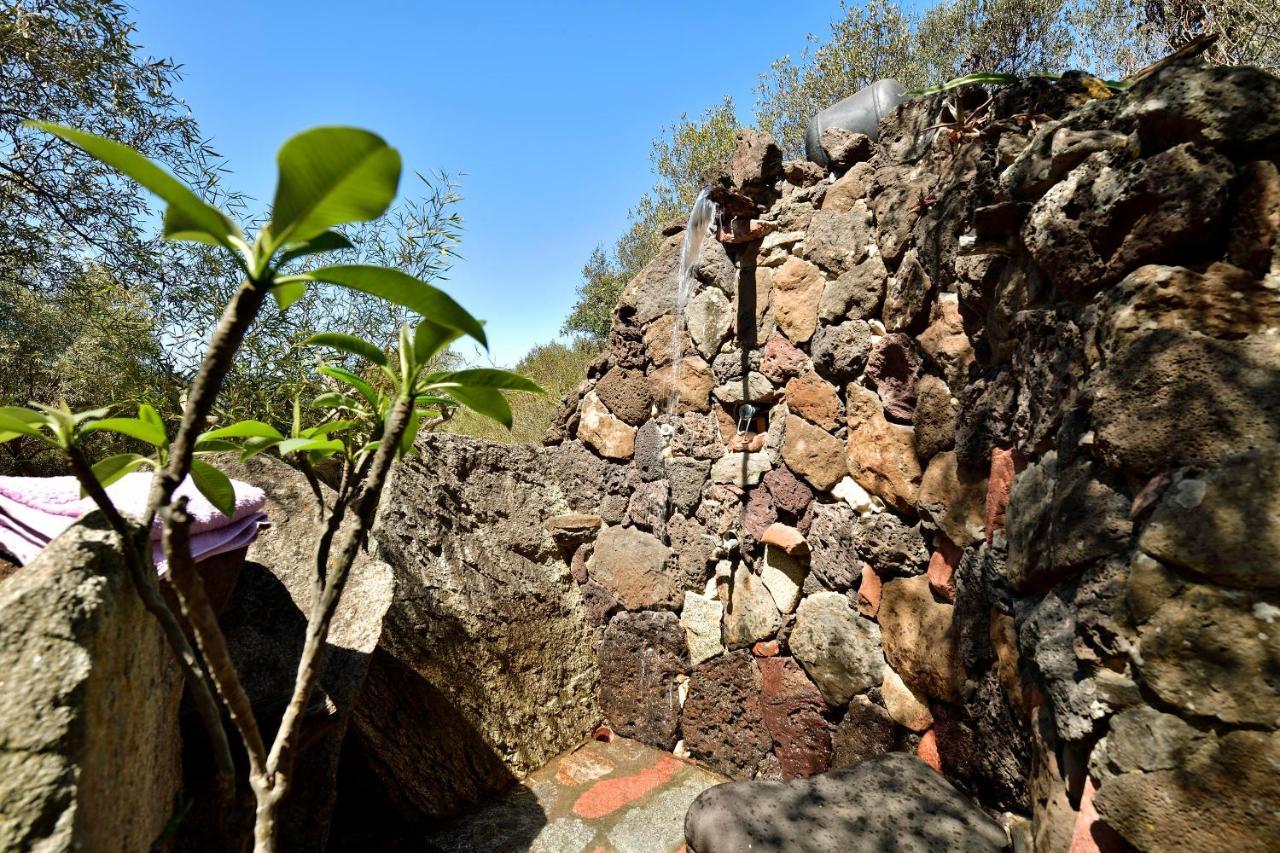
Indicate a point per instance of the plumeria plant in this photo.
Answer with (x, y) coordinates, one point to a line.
(328, 177)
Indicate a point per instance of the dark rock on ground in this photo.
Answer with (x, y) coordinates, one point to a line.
(894, 802)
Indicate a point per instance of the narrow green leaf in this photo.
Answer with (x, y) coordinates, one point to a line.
(300, 445)
(329, 428)
(215, 486)
(254, 446)
(20, 421)
(78, 418)
(132, 427)
(287, 293)
(216, 445)
(349, 343)
(485, 401)
(336, 400)
(113, 468)
(241, 429)
(428, 400)
(429, 339)
(403, 289)
(410, 433)
(344, 375)
(327, 241)
(330, 176)
(149, 414)
(187, 217)
(488, 377)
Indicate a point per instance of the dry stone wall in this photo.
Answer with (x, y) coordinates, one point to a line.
(1008, 495)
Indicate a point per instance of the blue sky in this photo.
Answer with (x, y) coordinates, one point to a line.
(547, 107)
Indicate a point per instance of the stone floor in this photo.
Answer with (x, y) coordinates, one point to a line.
(614, 796)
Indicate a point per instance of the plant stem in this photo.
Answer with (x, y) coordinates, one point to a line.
(189, 588)
(227, 337)
(135, 542)
(280, 761)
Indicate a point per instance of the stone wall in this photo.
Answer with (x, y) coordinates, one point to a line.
(1010, 498)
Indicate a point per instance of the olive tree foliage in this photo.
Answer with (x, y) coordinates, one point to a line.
(683, 157)
(328, 177)
(1109, 38)
(80, 243)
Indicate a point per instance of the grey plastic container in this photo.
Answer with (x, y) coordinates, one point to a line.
(860, 112)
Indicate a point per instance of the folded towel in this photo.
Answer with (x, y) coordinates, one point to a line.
(33, 510)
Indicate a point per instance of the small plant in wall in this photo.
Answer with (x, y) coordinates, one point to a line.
(328, 177)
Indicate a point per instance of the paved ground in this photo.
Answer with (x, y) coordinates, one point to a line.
(618, 796)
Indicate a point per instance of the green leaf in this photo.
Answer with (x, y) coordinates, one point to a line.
(187, 216)
(301, 445)
(11, 428)
(288, 292)
(254, 446)
(485, 401)
(217, 445)
(344, 375)
(410, 432)
(113, 468)
(349, 343)
(149, 414)
(488, 377)
(92, 415)
(241, 429)
(429, 339)
(329, 428)
(428, 400)
(215, 486)
(132, 427)
(327, 241)
(403, 289)
(336, 400)
(330, 176)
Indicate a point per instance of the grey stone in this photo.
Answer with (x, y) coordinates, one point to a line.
(840, 352)
(687, 477)
(648, 452)
(640, 656)
(756, 389)
(839, 649)
(894, 802)
(750, 615)
(89, 747)
(501, 591)
(833, 556)
(934, 418)
(865, 731)
(908, 296)
(890, 545)
(740, 469)
(1223, 523)
(855, 295)
(709, 317)
(838, 241)
(1144, 739)
(632, 565)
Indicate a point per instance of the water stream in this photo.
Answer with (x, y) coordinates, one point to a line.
(701, 217)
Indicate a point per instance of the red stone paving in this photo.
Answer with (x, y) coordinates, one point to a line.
(609, 795)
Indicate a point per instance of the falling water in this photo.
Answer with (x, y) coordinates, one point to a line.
(701, 217)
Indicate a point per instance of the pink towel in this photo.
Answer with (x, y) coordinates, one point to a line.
(33, 510)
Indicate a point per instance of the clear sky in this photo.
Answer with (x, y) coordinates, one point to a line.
(547, 107)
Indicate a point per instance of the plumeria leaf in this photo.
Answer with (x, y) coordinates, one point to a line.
(215, 486)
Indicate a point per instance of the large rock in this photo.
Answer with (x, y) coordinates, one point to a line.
(1060, 519)
(839, 649)
(833, 556)
(934, 419)
(894, 802)
(89, 748)
(604, 432)
(626, 394)
(892, 368)
(700, 617)
(1208, 651)
(1218, 797)
(633, 565)
(882, 456)
(723, 722)
(265, 626)
(709, 318)
(797, 288)
(954, 499)
(793, 712)
(640, 656)
(750, 613)
(919, 639)
(1175, 398)
(652, 292)
(487, 629)
(1188, 185)
(856, 294)
(815, 399)
(1223, 523)
(866, 731)
(891, 546)
(684, 385)
(837, 241)
(1231, 109)
(840, 352)
(813, 453)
